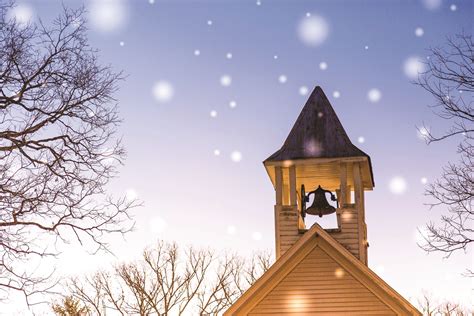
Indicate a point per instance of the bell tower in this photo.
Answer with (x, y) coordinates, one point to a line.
(317, 161)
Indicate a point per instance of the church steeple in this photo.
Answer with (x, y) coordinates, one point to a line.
(318, 153)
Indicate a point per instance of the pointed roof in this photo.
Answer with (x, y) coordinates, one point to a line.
(317, 133)
(317, 239)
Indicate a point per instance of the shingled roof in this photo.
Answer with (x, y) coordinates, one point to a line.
(317, 133)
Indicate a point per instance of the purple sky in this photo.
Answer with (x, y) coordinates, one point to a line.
(213, 89)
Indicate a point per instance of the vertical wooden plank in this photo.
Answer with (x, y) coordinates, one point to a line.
(292, 177)
(349, 193)
(358, 190)
(277, 231)
(359, 201)
(279, 185)
(279, 202)
(343, 184)
(286, 194)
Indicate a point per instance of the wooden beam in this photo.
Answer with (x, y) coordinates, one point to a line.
(279, 185)
(312, 161)
(343, 185)
(292, 181)
(359, 202)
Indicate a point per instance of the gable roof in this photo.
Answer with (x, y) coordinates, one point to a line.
(317, 124)
(318, 237)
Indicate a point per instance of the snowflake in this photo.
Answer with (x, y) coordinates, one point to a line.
(313, 30)
(236, 156)
(303, 90)
(323, 65)
(374, 95)
(432, 4)
(419, 32)
(257, 236)
(282, 79)
(226, 80)
(108, 15)
(231, 230)
(413, 66)
(21, 13)
(398, 185)
(163, 91)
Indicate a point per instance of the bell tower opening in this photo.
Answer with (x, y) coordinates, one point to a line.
(322, 207)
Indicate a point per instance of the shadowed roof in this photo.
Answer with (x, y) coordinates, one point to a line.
(317, 133)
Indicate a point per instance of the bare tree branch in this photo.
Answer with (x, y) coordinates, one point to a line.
(450, 80)
(170, 281)
(58, 146)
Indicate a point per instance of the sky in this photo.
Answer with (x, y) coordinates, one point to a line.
(214, 87)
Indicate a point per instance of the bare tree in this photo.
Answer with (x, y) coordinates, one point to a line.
(58, 146)
(430, 307)
(170, 281)
(70, 306)
(450, 80)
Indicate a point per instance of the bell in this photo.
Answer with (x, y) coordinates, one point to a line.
(320, 205)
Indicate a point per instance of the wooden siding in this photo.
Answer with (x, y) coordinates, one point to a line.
(348, 236)
(318, 285)
(287, 233)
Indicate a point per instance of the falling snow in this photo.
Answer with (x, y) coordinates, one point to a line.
(453, 7)
(257, 236)
(303, 90)
(226, 80)
(361, 140)
(163, 91)
(158, 225)
(374, 95)
(413, 66)
(432, 4)
(323, 65)
(232, 104)
(236, 156)
(213, 113)
(217, 152)
(197, 52)
(231, 230)
(336, 94)
(131, 194)
(282, 78)
(21, 13)
(228, 56)
(313, 30)
(423, 133)
(424, 180)
(108, 15)
(398, 185)
(419, 32)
